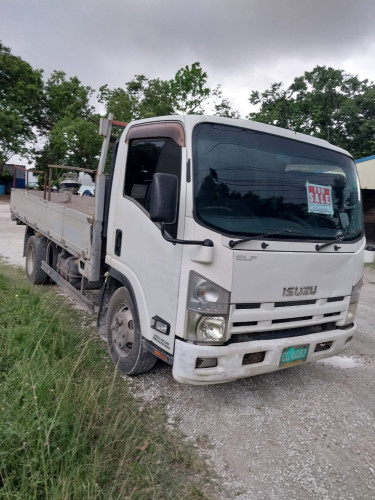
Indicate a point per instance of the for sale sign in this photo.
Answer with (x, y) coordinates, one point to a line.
(319, 199)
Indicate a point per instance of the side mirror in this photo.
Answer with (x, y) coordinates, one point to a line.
(163, 198)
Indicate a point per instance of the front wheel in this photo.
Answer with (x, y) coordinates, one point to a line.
(35, 254)
(124, 336)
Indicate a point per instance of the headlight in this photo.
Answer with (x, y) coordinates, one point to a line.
(207, 310)
(354, 298)
(211, 328)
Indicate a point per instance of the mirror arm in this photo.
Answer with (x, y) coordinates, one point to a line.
(204, 243)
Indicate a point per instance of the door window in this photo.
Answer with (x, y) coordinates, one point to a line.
(146, 157)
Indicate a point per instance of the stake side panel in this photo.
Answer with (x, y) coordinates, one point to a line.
(67, 223)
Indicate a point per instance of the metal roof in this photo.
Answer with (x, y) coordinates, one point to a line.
(367, 158)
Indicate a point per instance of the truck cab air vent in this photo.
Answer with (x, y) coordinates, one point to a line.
(292, 303)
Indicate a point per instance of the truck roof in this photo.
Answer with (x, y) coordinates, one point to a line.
(190, 121)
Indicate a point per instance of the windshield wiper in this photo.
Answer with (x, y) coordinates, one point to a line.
(328, 243)
(331, 242)
(275, 232)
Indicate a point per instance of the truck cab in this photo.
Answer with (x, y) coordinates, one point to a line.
(233, 248)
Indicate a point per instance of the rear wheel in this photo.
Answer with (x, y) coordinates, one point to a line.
(35, 253)
(124, 335)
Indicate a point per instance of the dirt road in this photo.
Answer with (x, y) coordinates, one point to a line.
(302, 433)
(11, 235)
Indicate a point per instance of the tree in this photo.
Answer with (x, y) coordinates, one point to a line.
(326, 103)
(74, 142)
(276, 106)
(65, 98)
(189, 90)
(141, 98)
(222, 105)
(20, 104)
(359, 123)
(68, 126)
(66, 108)
(116, 101)
(157, 99)
(55, 123)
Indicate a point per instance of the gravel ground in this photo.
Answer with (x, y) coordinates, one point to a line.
(305, 432)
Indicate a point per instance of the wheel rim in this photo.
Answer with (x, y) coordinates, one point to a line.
(122, 328)
(30, 260)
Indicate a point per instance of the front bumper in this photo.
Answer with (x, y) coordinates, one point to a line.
(229, 358)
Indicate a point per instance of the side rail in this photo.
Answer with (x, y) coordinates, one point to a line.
(68, 228)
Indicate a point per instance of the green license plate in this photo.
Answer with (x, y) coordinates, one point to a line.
(294, 355)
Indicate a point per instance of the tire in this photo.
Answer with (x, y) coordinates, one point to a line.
(35, 253)
(52, 252)
(124, 335)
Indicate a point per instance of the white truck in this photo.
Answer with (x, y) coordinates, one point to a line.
(226, 248)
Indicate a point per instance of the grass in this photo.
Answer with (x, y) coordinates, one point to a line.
(69, 429)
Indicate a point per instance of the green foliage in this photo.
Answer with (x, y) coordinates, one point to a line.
(189, 90)
(5, 177)
(222, 105)
(69, 427)
(65, 98)
(326, 103)
(69, 125)
(58, 113)
(141, 98)
(157, 99)
(72, 141)
(149, 97)
(20, 104)
(68, 118)
(117, 101)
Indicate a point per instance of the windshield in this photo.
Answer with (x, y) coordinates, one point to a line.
(251, 183)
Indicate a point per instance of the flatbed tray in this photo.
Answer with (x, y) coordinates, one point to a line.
(84, 204)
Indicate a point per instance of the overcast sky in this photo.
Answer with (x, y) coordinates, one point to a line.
(243, 45)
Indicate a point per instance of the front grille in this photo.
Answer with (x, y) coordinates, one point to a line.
(289, 320)
(248, 306)
(296, 303)
(335, 299)
(245, 323)
(282, 334)
(253, 317)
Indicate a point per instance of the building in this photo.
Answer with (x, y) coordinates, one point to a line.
(13, 176)
(366, 172)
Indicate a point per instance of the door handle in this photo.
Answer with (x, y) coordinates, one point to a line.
(118, 241)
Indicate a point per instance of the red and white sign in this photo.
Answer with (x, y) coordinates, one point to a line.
(319, 199)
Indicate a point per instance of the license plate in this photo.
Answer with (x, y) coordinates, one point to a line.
(294, 355)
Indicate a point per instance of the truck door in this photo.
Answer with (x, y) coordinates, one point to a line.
(135, 245)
